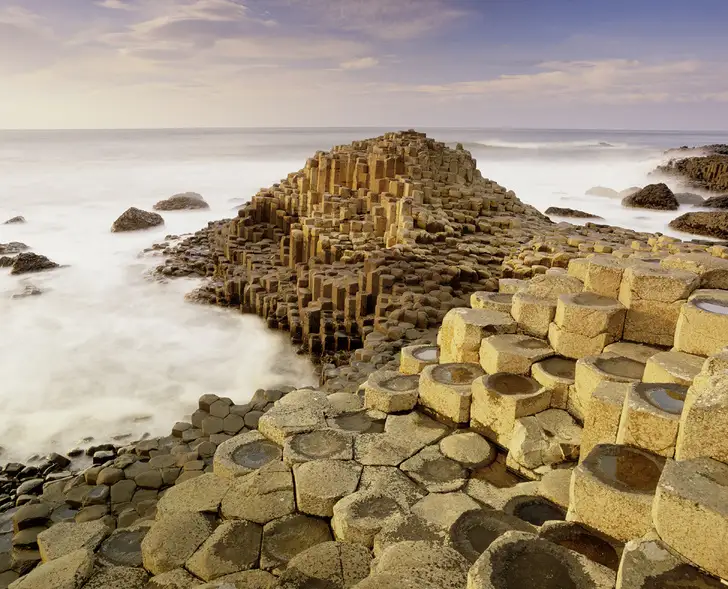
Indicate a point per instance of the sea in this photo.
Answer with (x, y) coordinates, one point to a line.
(105, 352)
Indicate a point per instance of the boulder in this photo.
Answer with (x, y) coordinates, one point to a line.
(29, 262)
(653, 196)
(602, 191)
(15, 220)
(689, 198)
(710, 224)
(563, 212)
(716, 202)
(182, 201)
(134, 219)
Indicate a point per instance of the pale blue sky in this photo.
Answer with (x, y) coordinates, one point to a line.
(650, 64)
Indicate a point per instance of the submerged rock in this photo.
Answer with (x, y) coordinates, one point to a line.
(717, 202)
(182, 201)
(29, 262)
(134, 219)
(653, 196)
(30, 290)
(711, 224)
(562, 212)
(14, 247)
(15, 220)
(602, 191)
(689, 198)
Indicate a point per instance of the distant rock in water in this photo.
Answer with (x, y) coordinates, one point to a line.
(602, 191)
(30, 290)
(181, 202)
(629, 191)
(653, 196)
(559, 212)
(711, 224)
(15, 220)
(134, 219)
(689, 198)
(717, 202)
(29, 262)
(6, 261)
(14, 247)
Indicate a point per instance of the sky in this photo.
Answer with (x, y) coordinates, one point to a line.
(597, 64)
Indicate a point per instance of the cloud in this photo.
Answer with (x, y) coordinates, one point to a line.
(116, 5)
(615, 81)
(362, 63)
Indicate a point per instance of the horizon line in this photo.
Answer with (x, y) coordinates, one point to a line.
(363, 127)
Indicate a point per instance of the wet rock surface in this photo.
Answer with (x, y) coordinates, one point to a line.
(710, 224)
(653, 196)
(562, 212)
(134, 219)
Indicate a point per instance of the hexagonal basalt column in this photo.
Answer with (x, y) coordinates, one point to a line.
(446, 389)
(593, 370)
(391, 392)
(518, 560)
(547, 438)
(321, 483)
(651, 415)
(413, 359)
(677, 367)
(533, 314)
(596, 547)
(585, 323)
(603, 414)
(690, 512)
(492, 301)
(359, 517)
(603, 275)
(463, 329)
(512, 353)
(434, 471)
(653, 297)
(613, 488)
(704, 421)
(556, 374)
(702, 327)
(500, 399)
(243, 454)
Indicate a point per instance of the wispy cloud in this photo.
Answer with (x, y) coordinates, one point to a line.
(116, 5)
(363, 63)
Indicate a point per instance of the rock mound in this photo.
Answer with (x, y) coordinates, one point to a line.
(15, 220)
(708, 172)
(27, 262)
(711, 224)
(565, 212)
(602, 191)
(181, 202)
(689, 198)
(717, 202)
(653, 196)
(134, 219)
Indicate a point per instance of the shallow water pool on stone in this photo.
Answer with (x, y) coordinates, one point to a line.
(666, 397)
(716, 307)
(401, 383)
(560, 367)
(626, 467)
(511, 384)
(621, 366)
(532, 344)
(455, 374)
(256, 454)
(426, 354)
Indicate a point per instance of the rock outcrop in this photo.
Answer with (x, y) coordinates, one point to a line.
(716, 202)
(134, 219)
(15, 221)
(689, 198)
(12, 248)
(653, 196)
(27, 262)
(182, 201)
(710, 224)
(709, 172)
(561, 212)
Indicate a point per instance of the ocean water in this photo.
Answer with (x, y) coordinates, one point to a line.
(105, 352)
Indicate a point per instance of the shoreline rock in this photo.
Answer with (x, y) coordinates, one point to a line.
(562, 212)
(15, 220)
(134, 219)
(708, 171)
(716, 202)
(27, 262)
(710, 224)
(182, 201)
(653, 196)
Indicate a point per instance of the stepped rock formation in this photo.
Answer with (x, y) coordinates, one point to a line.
(709, 172)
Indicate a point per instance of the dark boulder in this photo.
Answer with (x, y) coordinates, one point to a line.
(653, 196)
(6, 261)
(181, 202)
(559, 212)
(29, 262)
(134, 219)
(689, 198)
(717, 202)
(15, 220)
(711, 224)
